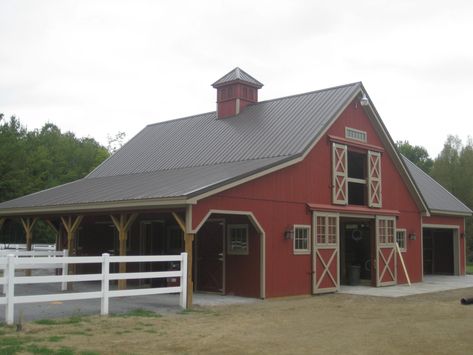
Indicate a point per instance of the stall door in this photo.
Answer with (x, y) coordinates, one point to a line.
(385, 251)
(210, 257)
(326, 254)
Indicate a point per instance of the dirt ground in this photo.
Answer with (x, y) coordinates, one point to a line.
(336, 323)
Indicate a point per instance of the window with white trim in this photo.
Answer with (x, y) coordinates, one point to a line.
(355, 134)
(237, 239)
(386, 231)
(301, 239)
(401, 239)
(327, 229)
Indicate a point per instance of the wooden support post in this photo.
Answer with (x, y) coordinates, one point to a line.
(403, 265)
(28, 225)
(123, 224)
(71, 225)
(188, 241)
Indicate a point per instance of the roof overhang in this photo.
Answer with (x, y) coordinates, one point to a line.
(96, 207)
(451, 213)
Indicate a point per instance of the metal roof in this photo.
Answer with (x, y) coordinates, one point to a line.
(438, 199)
(240, 75)
(276, 128)
(143, 186)
(191, 155)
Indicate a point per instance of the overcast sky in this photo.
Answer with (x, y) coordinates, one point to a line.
(98, 67)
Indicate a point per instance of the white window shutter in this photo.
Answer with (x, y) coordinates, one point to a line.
(339, 174)
(374, 180)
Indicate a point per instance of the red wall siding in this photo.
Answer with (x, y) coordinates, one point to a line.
(453, 221)
(279, 200)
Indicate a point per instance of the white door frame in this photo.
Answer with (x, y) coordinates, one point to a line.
(456, 244)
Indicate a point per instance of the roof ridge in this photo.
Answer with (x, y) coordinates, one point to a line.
(432, 179)
(259, 102)
(309, 92)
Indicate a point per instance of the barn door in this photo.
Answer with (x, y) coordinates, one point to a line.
(339, 174)
(325, 254)
(386, 251)
(374, 179)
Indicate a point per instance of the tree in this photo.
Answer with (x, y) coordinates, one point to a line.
(453, 168)
(39, 159)
(416, 154)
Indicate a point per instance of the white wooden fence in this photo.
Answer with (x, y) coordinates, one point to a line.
(59, 264)
(11, 263)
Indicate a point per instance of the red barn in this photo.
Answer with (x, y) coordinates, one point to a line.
(290, 196)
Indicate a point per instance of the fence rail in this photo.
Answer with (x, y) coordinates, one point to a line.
(11, 263)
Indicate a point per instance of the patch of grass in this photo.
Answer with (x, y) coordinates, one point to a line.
(70, 320)
(197, 310)
(55, 338)
(139, 312)
(88, 352)
(469, 268)
(12, 344)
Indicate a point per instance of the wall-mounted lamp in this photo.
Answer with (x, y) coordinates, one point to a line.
(462, 235)
(289, 233)
(364, 100)
(412, 236)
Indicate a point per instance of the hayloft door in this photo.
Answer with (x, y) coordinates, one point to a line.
(325, 253)
(386, 251)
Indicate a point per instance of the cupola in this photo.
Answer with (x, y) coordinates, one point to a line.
(235, 91)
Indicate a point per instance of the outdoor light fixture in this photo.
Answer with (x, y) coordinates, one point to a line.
(364, 100)
(462, 235)
(289, 233)
(412, 236)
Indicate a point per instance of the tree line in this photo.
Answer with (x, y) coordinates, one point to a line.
(33, 160)
(452, 168)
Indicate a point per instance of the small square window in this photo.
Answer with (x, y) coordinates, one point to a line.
(401, 239)
(301, 239)
(237, 239)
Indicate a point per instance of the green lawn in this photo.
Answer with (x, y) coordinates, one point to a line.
(469, 268)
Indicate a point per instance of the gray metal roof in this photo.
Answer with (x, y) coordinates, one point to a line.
(276, 128)
(191, 155)
(237, 74)
(438, 199)
(150, 185)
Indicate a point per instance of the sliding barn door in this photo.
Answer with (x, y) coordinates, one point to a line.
(386, 268)
(326, 253)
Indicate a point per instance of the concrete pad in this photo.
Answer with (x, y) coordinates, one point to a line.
(431, 283)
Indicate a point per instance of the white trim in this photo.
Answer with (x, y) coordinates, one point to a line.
(358, 181)
(254, 221)
(302, 251)
(456, 244)
(404, 231)
(392, 253)
(325, 246)
(375, 181)
(450, 213)
(230, 228)
(354, 130)
(336, 162)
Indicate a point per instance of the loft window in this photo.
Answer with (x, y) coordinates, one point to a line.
(355, 134)
(356, 178)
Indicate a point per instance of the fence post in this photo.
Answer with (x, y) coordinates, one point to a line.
(10, 291)
(105, 284)
(183, 281)
(64, 270)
